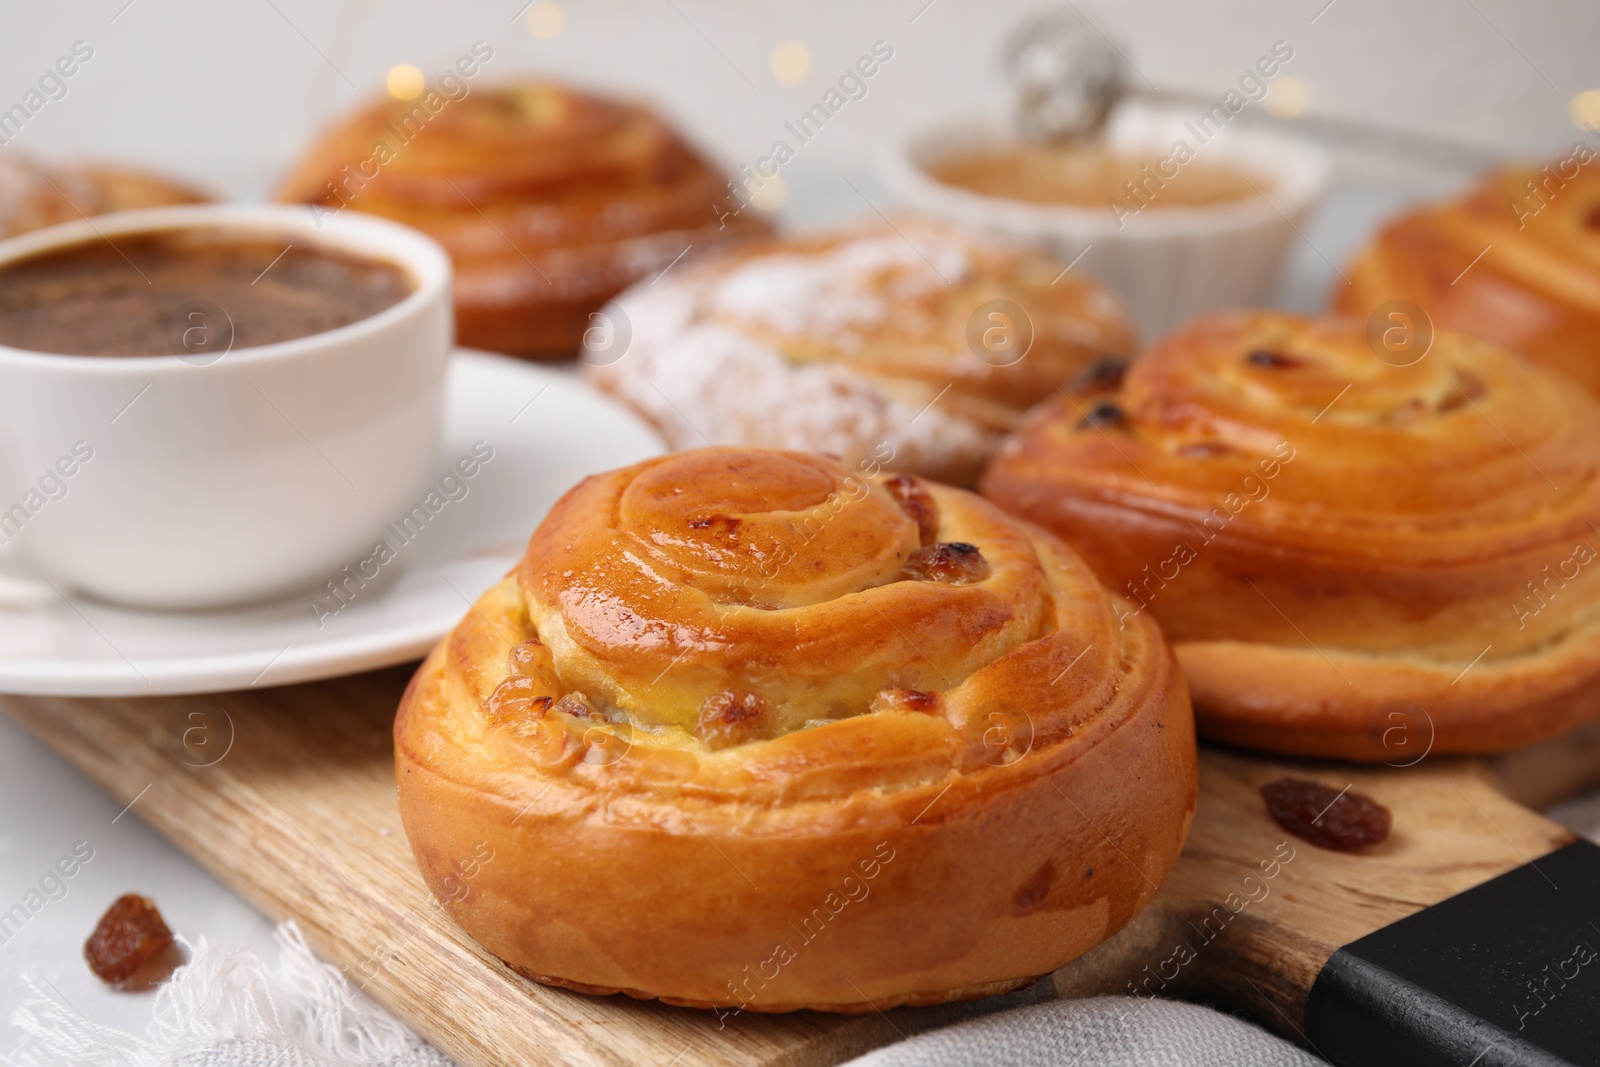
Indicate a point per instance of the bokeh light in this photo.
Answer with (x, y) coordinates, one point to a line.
(1287, 98)
(1585, 110)
(769, 195)
(545, 19)
(405, 82)
(790, 62)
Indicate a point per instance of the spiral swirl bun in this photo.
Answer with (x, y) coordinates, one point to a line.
(825, 705)
(1515, 261)
(548, 200)
(1350, 556)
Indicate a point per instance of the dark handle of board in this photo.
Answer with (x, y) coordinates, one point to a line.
(1506, 974)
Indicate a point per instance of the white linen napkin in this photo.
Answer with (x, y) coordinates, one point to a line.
(1097, 1032)
(225, 1008)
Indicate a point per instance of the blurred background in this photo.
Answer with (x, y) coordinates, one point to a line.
(227, 94)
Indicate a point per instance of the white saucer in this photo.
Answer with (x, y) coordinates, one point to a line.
(547, 429)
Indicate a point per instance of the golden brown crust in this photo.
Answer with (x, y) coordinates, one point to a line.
(549, 201)
(908, 341)
(1334, 543)
(956, 785)
(1515, 261)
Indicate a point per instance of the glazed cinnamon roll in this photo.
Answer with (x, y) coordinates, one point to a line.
(1516, 261)
(548, 200)
(908, 342)
(1352, 558)
(754, 729)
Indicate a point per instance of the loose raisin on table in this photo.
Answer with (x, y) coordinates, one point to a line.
(128, 936)
(1324, 816)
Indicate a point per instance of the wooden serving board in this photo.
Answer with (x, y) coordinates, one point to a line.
(287, 795)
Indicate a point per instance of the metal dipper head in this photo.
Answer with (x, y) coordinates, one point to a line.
(1065, 74)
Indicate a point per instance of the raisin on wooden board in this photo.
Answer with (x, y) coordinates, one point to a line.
(129, 935)
(1326, 816)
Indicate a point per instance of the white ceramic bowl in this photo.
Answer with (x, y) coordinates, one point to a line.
(1169, 263)
(171, 483)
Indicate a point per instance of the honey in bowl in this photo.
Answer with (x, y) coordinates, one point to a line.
(1090, 177)
(147, 294)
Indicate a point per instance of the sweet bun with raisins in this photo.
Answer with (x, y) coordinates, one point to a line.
(549, 200)
(1516, 260)
(754, 729)
(1353, 558)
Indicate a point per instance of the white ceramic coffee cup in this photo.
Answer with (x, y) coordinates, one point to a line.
(196, 480)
